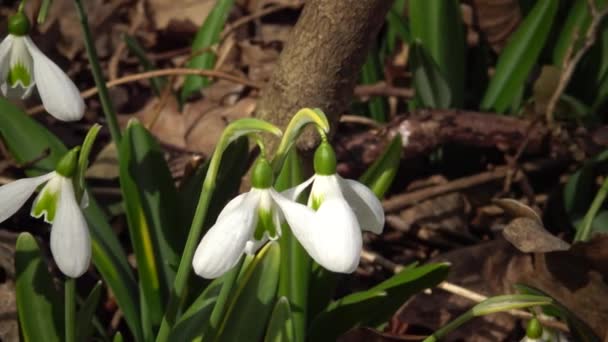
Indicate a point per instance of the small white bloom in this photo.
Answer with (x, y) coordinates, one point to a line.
(344, 208)
(56, 202)
(242, 227)
(23, 65)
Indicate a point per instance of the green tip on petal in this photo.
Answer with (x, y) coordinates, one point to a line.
(18, 73)
(262, 176)
(19, 24)
(67, 164)
(325, 160)
(535, 329)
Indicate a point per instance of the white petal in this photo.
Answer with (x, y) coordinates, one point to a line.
(336, 238)
(70, 240)
(294, 193)
(325, 187)
(14, 195)
(365, 204)
(231, 205)
(224, 244)
(59, 95)
(299, 217)
(5, 48)
(253, 245)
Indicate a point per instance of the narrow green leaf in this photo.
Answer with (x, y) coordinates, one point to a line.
(432, 89)
(376, 305)
(206, 36)
(370, 74)
(84, 320)
(280, 327)
(83, 157)
(508, 302)
(295, 262)
(380, 175)
(519, 56)
(118, 337)
(150, 202)
(108, 254)
(254, 299)
(39, 306)
(157, 83)
(574, 27)
(397, 26)
(437, 25)
(195, 320)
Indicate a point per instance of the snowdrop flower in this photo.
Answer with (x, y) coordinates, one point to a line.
(57, 203)
(245, 223)
(343, 208)
(23, 65)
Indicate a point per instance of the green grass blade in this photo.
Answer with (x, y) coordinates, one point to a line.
(519, 56)
(84, 320)
(206, 36)
(39, 306)
(437, 25)
(157, 83)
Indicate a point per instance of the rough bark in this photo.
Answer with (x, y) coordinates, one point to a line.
(320, 63)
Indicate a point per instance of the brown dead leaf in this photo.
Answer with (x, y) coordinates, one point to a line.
(165, 11)
(105, 165)
(497, 20)
(529, 236)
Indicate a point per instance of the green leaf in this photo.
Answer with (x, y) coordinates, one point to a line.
(206, 36)
(118, 337)
(397, 26)
(195, 320)
(579, 329)
(380, 175)
(508, 302)
(84, 324)
(376, 305)
(576, 23)
(295, 262)
(370, 74)
(151, 206)
(437, 26)
(280, 327)
(39, 306)
(519, 56)
(157, 83)
(432, 89)
(83, 157)
(108, 254)
(254, 298)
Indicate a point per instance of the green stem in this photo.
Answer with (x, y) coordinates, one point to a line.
(70, 309)
(584, 231)
(185, 264)
(439, 334)
(104, 96)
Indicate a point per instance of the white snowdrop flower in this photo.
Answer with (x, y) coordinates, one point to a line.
(57, 203)
(23, 66)
(245, 223)
(343, 208)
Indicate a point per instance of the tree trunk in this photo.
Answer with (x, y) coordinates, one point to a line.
(320, 63)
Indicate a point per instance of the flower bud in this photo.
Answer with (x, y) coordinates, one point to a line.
(18, 24)
(325, 160)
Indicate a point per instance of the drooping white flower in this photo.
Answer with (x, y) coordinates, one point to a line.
(343, 208)
(244, 224)
(23, 65)
(57, 203)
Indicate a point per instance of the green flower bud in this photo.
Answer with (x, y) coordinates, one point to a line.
(325, 160)
(68, 163)
(19, 24)
(535, 329)
(262, 176)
